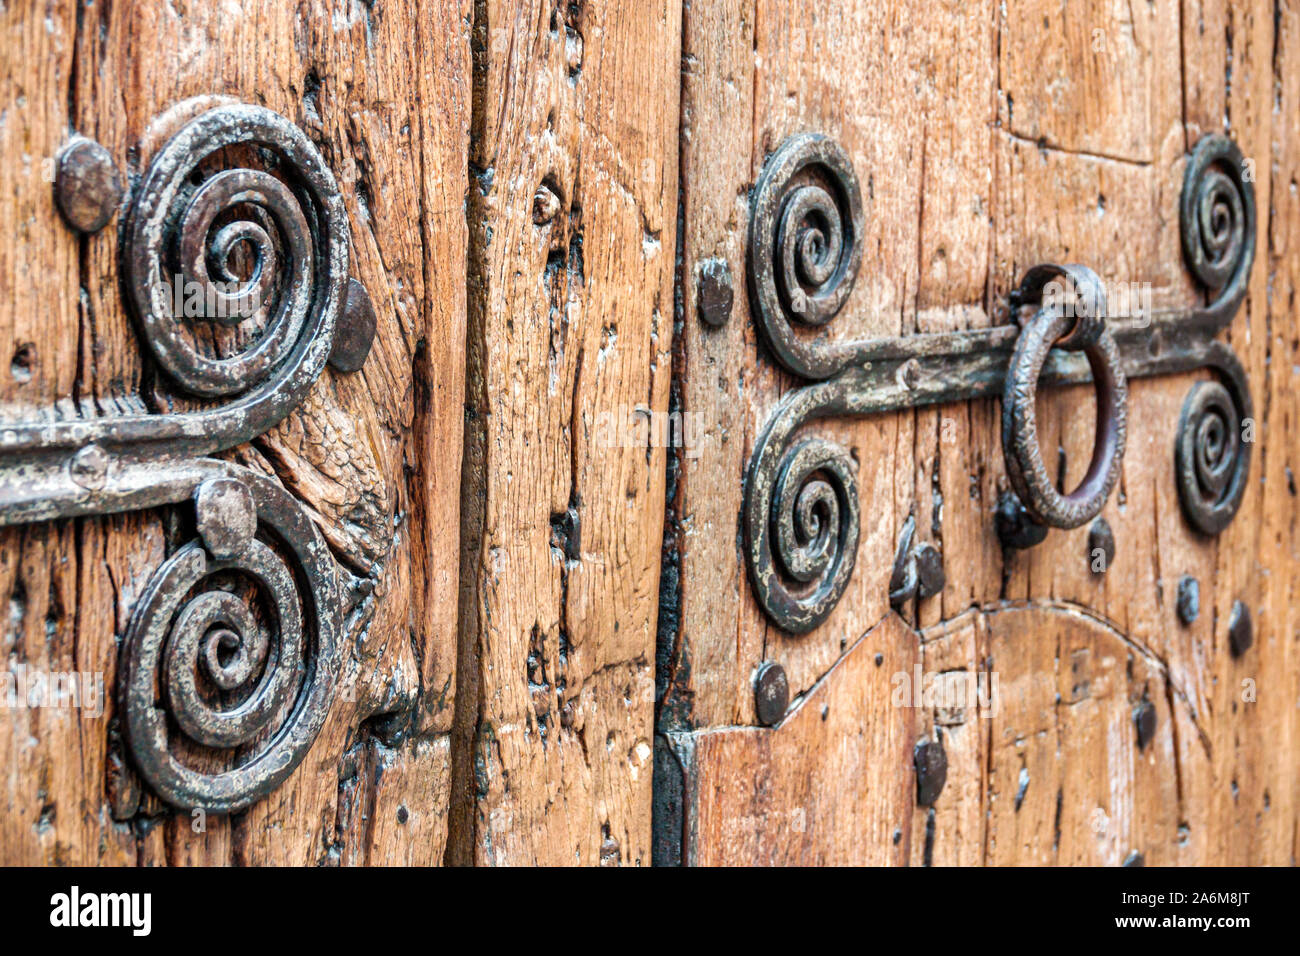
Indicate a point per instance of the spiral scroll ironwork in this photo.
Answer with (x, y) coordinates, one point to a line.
(187, 224)
(231, 654)
(1211, 455)
(805, 246)
(801, 520)
(230, 658)
(1217, 213)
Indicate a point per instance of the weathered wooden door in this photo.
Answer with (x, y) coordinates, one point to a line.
(397, 606)
(532, 431)
(1096, 698)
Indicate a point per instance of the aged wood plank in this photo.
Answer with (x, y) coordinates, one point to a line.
(572, 239)
(374, 456)
(1086, 118)
(829, 785)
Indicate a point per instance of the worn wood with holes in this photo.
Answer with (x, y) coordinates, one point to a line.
(987, 138)
(544, 584)
(374, 456)
(571, 309)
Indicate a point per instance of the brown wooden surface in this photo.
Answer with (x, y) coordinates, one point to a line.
(989, 137)
(374, 456)
(532, 186)
(571, 306)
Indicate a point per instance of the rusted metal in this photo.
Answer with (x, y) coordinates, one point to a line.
(771, 693)
(805, 246)
(225, 516)
(903, 582)
(356, 330)
(918, 570)
(1015, 527)
(800, 517)
(1241, 634)
(1188, 603)
(87, 185)
(1144, 720)
(230, 657)
(1101, 546)
(931, 762)
(1053, 326)
(716, 295)
(1211, 462)
(199, 665)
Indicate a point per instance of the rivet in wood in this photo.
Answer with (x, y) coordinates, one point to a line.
(1240, 633)
(771, 693)
(355, 332)
(931, 763)
(1101, 546)
(716, 295)
(930, 577)
(1016, 528)
(1144, 718)
(87, 185)
(226, 517)
(1189, 599)
(1134, 859)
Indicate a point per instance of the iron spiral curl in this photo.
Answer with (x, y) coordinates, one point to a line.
(805, 246)
(230, 657)
(801, 521)
(1217, 213)
(1211, 459)
(187, 224)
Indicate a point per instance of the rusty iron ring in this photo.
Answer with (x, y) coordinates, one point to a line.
(1020, 448)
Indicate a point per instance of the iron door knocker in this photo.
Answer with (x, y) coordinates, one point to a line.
(1073, 319)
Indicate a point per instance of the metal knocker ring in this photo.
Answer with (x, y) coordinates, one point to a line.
(1081, 327)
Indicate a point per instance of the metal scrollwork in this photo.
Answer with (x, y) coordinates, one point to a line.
(1217, 216)
(231, 654)
(243, 657)
(801, 515)
(1212, 461)
(805, 247)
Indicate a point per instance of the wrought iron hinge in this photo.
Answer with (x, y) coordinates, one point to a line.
(801, 514)
(228, 666)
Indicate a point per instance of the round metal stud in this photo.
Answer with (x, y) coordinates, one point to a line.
(716, 295)
(1241, 634)
(355, 333)
(1189, 599)
(89, 467)
(771, 693)
(226, 517)
(1101, 546)
(87, 185)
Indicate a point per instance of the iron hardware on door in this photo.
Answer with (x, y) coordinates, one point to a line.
(232, 650)
(801, 513)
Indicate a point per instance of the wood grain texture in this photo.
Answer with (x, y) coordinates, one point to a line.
(988, 138)
(373, 456)
(571, 311)
(831, 792)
